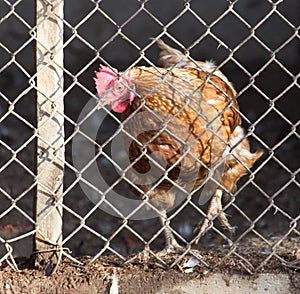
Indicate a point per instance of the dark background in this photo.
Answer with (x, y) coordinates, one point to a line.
(257, 48)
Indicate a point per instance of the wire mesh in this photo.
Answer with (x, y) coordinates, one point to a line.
(101, 215)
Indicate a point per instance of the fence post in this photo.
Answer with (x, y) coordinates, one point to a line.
(50, 134)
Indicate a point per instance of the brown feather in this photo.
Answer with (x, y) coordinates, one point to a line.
(198, 112)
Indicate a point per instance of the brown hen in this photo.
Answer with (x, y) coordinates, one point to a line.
(184, 125)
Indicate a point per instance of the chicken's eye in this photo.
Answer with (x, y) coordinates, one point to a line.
(119, 87)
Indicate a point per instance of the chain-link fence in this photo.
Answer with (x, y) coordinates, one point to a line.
(71, 192)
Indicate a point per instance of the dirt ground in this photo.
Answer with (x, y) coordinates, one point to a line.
(132, 278)
(148, 276)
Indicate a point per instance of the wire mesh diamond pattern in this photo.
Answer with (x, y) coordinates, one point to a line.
(101, 214)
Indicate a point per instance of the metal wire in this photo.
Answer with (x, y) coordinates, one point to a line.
(97, 220)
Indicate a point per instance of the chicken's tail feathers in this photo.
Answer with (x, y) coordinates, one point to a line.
(257, 155)
(171, 57)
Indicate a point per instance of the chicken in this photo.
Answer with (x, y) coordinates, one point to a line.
(184, 126)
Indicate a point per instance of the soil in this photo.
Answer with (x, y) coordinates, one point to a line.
(148, 274)
(132, 278)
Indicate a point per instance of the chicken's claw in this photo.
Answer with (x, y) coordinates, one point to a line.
(215, 209)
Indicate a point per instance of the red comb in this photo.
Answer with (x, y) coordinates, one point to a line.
(108, 70)
(105, 77)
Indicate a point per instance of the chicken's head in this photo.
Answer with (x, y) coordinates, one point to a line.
(113, 90)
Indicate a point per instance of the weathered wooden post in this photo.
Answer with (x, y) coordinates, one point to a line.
(50, 134)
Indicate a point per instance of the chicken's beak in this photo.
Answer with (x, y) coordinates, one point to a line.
(105, 99)
(102, 102)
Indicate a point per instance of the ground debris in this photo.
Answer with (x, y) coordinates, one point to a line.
(109, 274)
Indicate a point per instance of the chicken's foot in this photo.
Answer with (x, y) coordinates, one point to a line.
(215, 209)
(171, 243)
(142, 257)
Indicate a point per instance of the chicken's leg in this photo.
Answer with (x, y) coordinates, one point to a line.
(214, 210)
(171, 243)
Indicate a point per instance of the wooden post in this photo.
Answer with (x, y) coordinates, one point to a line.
(50, 134)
